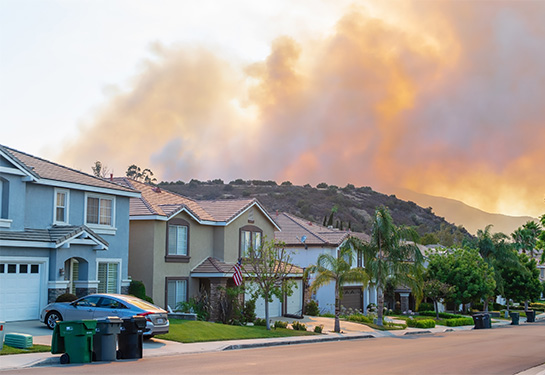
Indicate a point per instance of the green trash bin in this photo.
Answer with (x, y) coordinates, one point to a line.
(105, 340)
(515, 318)
(74, 339)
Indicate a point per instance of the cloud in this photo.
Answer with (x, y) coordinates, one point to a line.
(445, 98)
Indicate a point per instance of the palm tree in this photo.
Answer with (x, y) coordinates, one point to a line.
(329, 268)
(390, 256)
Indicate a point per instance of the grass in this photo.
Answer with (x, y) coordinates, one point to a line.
(188, 331)
(34, 349)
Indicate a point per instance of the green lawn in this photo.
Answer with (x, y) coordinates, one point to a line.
(34, 349)
(196, 331)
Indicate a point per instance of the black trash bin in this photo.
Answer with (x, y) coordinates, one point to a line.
(487, 322)
(514, 318)
(530, 316)
(130, 339)
(478, 321)
(105, 340)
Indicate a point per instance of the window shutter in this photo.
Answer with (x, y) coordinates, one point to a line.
(102, 277)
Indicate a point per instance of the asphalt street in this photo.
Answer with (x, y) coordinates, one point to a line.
(502, 350)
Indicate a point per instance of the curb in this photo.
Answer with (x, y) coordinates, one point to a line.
(417, 333)
(287, 342)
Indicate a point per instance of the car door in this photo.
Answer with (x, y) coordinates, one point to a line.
(83, 308)
(109, 307)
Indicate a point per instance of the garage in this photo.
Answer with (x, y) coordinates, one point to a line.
(22, 290)
(294, 303)
(352, 298)
(275, 307)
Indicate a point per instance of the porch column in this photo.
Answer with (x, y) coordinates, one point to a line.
(404, 302)
(215, 295)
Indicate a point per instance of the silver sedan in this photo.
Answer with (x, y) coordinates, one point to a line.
(99, 306)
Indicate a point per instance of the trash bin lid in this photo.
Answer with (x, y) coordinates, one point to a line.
(111, 319)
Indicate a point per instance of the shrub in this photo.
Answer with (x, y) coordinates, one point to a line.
(138, 289)
(425, 323)
(66, 297)
(248, 314)
(359, 318)
(298, 326)
(537, 306)
(466, 321)
(260, 322)
(425, 306)
(280, 324)
(312, 309)
(319, 328)
(199, 305)
(441, 314)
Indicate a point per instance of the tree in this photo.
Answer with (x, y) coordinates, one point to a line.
(498, 254)
(540, 244)
(526, 237)
(437, 291)
(464, 269)
(389, 255)
(100, 170)
(337, 269)
(522, 283)
(268, 267)
(136, 173)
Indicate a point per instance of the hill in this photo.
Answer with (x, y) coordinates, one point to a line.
(460, 213)
(352, 206)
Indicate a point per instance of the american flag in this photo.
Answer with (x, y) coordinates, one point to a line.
(237, 275)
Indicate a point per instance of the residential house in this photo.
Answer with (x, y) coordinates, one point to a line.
(181, 247)
(61, 230)
(307, 241)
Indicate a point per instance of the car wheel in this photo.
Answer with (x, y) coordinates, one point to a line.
(51, 319)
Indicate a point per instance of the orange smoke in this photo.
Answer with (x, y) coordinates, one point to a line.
(444, 98)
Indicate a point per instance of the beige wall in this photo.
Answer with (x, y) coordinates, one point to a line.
(141, 245)
(231, 240)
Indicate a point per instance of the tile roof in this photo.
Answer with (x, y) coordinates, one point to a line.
(56, 234)
(159, 202)
(44, 169)
(213, 265)
(294, 228)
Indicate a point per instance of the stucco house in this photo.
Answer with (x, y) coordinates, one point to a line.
(61, 230)
(306, 241)
(179, 246)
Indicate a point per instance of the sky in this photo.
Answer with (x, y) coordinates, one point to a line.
(445, 98)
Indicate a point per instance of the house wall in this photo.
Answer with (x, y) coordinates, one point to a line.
(15, 202)
(141, 255)
(231, 239)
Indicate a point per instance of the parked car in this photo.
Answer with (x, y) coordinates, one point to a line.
(98, 306)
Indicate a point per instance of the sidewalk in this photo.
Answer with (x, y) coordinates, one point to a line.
(156, 347)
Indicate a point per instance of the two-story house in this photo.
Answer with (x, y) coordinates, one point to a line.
(61, 231)
(179, 246)
(306, 241)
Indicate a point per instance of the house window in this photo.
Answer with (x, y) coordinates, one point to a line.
(108, 278)
(100, 210)
(177, 240)
(177, 247)
(61, 206)
(250, 239)
(176, 291)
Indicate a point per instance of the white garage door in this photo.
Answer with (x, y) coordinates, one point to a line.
(294, 303)
(275, 307)
(20, 290)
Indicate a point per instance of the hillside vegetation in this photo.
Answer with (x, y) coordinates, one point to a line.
(351, 206)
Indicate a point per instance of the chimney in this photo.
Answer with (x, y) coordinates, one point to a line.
(111, 176)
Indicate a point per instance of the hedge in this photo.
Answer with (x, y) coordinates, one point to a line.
(425, 323)
(466, 321)
(441, 314)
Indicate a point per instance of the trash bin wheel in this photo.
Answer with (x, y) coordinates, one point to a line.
(65, 358)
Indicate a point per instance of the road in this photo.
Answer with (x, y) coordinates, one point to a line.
(502, 350)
